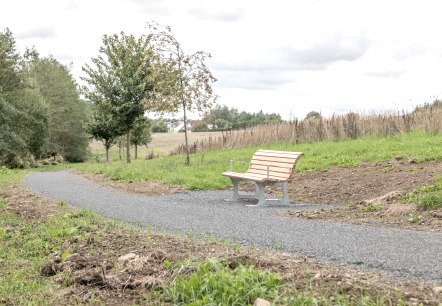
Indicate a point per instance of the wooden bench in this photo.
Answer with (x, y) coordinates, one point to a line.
(267, 168)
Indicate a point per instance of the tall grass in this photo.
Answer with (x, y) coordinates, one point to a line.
(337, 127)
(206, 167)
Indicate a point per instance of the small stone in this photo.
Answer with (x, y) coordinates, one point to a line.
(261, 302)
(438, 289)
(125, 258)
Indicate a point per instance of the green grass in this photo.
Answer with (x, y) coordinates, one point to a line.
(214, 283)
(25, 247)
(427, 197)
(11, 177)
(206, 168)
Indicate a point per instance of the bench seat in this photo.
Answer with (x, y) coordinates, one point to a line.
(266, 168)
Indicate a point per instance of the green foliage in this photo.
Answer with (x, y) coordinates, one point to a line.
(214, 283)
(121, 78)
(159, 126)
(313, 114)
(23, 112)
(427, 197)
(104, 127)
(222, 124)
(205, 173)
(370, 208)
(68, 114)
(224, 117)
(141, 134)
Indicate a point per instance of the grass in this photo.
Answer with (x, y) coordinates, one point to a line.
(214, 283)
(427, 197)
(24, 248)
(11, 176)
(206, 168)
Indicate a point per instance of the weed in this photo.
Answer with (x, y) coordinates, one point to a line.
(426, 197)
(62, 203)
(276, 245)
(214, 283)
(388, 169)
(370, 208)
(414, 218)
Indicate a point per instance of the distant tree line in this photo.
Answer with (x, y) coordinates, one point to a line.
(223, 117)
(41, 113)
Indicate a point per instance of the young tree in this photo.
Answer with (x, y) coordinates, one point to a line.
(183, 82)
(121, 77)
(141, 134)
(104, 127)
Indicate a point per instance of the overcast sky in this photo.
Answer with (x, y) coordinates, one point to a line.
(288, 57)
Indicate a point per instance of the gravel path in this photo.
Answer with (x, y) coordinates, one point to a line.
(403, 253)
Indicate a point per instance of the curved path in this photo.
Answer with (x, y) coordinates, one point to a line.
(403, 253)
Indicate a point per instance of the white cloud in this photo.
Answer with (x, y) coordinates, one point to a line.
(281, 56)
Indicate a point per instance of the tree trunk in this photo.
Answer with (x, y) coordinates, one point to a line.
(107, 154)
(128, 147)
(136, 152)
(187, 162)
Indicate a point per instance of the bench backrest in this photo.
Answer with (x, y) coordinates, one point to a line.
(281, 164)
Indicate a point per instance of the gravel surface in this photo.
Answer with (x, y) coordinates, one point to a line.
(402, 253)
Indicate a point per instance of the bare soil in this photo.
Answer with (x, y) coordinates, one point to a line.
(383, 185)
(93, 272)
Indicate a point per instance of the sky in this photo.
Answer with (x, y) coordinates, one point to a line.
(286, 57)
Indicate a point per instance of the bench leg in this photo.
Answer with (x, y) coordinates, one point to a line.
(285, 191)
(260, 193)
(235, 188)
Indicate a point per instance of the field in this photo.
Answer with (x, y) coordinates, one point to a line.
(161, 143)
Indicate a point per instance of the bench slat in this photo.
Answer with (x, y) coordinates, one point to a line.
(271, 168)
(280, 152)
(271, 154)
(271, 163)
(253, 177)
(271, 173)
(274, 159)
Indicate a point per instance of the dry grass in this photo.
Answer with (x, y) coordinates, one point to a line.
(162, 143)
(338, 127)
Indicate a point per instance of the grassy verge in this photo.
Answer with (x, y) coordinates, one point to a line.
(206, 168)
(427, 197)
